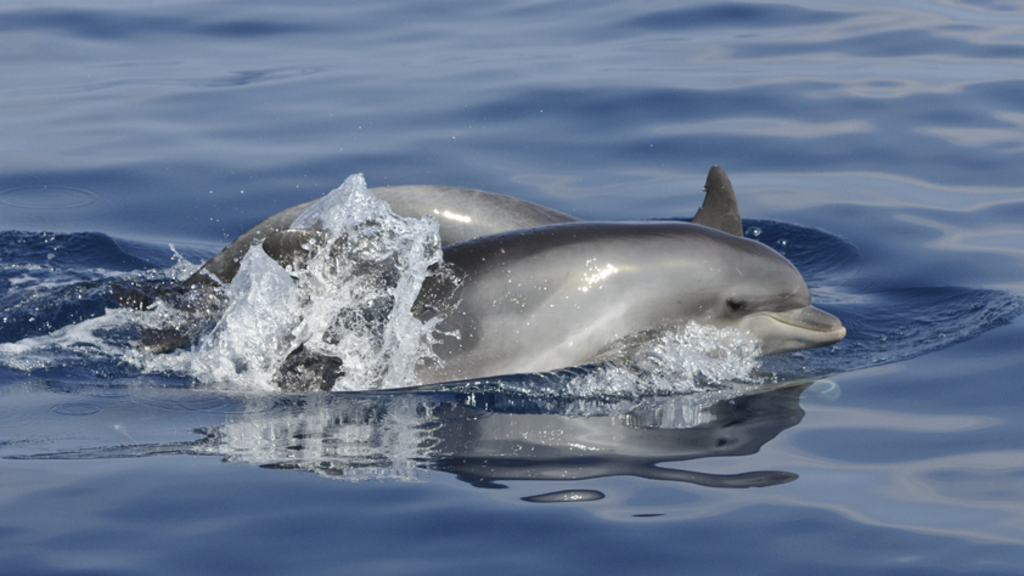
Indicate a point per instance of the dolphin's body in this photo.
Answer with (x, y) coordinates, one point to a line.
(545, 298)
(529, 289)
(462, 213)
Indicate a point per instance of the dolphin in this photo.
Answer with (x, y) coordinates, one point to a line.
(462, 213)
(562, 295)
(526, 289)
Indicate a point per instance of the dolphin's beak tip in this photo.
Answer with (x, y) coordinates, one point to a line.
(803, 328)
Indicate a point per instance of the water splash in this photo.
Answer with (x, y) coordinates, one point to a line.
(342, 320)
(696, 358)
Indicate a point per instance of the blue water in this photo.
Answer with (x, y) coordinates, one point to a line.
(884, 142)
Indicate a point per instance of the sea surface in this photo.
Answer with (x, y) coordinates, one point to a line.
(878, 145)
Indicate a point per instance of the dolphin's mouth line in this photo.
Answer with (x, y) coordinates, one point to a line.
(795, 329)
(808, 318)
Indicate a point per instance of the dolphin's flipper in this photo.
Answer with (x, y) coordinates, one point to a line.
(719, 210)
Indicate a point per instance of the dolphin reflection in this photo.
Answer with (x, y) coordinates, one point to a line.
(486, 436)
(483, 447)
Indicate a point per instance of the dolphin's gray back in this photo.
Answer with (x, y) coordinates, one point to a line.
(465, 213)
(462, 213)
(224, 266)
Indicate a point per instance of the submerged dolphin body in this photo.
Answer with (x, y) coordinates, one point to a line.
(529, 289)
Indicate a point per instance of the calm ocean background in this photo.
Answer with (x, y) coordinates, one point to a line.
(894, 129)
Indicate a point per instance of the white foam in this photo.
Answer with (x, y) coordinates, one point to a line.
(101, 337)
(697, 358)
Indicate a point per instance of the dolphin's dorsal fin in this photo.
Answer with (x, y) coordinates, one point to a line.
(719, 210)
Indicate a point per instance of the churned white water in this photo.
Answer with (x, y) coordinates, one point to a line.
(347, 310)
(676, 362)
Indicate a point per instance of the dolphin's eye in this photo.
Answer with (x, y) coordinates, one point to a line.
(735, 304)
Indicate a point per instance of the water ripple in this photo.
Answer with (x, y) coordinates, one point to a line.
(76, 409)
(48, 197)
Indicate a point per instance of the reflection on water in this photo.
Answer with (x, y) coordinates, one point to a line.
(487, 437)
(484, 447)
